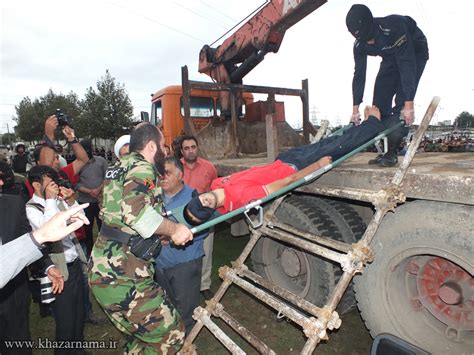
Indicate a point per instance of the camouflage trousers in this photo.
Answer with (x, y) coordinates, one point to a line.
(124, 287)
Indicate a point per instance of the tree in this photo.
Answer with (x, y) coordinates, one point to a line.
(7, 138)
(31, 115)
(107, 112)
(465, 119)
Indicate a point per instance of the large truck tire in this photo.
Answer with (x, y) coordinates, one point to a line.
(298, 271)
(420, 286)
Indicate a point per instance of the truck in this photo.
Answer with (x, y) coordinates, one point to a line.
(420, 284)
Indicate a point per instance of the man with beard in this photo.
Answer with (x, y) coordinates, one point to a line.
(121, 267)
(198, 174)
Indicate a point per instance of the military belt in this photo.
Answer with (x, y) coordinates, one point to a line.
(115, 234)
(145, 249)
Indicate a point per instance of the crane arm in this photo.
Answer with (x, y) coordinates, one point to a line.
(261, 34)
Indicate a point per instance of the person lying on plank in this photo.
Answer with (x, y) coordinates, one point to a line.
(234, 191)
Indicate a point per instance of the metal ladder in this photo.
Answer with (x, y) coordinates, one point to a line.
(314, 321)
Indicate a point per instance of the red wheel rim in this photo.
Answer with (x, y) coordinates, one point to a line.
(446, 291)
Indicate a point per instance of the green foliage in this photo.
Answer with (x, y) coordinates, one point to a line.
(7, 138)
(107, 112)
(104, 113)
(31, 115)
(465, 119)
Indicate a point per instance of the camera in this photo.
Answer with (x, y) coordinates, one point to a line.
(46, 287)
(63, 183)
(63, 120)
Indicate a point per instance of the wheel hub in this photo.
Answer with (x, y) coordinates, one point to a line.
(292, 263)
(446, 291)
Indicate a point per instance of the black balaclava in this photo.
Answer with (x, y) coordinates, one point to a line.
(360, 22)
(200, 212)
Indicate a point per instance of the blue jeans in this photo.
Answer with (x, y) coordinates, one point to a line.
(336, 146)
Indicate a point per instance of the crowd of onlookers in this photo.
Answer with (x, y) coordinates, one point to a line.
(47, 180)
(21, 157)
(448, 143)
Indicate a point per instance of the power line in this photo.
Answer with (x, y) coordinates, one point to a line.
(244, 19)
(217, 10)
(157, 22)
(198, 14)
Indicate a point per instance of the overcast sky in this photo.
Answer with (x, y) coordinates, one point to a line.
(67, 46)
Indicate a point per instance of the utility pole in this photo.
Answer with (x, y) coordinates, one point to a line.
(8, 136)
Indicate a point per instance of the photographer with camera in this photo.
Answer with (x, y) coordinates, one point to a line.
(14, 294)
(48, 154)
(51, 195)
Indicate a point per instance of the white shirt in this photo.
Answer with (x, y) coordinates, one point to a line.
(62, 161)
(37, 219)
(15, 255)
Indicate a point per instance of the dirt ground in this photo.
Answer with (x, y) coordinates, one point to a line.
(282, 336)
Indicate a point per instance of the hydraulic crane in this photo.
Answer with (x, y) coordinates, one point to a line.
(247, 47)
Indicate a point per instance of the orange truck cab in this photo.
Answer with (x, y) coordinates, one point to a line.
(168, 111)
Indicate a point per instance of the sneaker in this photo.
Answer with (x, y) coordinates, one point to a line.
(207, 294)
(375, 160)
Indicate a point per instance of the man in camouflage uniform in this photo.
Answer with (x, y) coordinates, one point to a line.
(121, 269)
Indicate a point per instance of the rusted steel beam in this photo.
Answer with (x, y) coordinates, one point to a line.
(188, 124)
(246, 88)
(339, 290)
(307, 126)
(210, 307)
(254, 237)
(331, 243)
(419, 135)
(269, 213)
(373, 226)
(287, 295)
(235, 149)
(271, 130)
(188, 347)
(310, 345)
(320, 132)
(204, 316)
(352, 194)
(289, 312)
(306, 245)
(251, 338)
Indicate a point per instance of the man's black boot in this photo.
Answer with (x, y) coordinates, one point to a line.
(375, 160)
(388, 160)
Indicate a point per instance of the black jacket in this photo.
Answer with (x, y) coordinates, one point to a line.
(14, 223)
(398, 39)
(19, 163)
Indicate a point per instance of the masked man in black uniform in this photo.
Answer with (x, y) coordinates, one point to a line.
(404, 51)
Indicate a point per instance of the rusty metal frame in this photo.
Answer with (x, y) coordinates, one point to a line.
(234, 89)
(352, 259)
